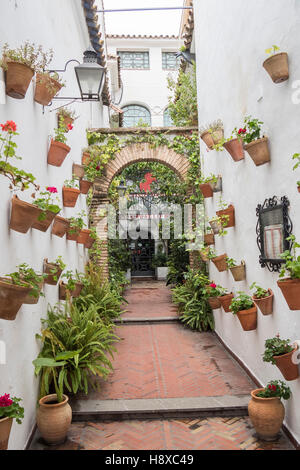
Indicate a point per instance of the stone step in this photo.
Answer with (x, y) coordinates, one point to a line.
(150, 320)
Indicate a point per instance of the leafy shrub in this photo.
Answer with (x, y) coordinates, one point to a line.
(241, 302)
(177, 263)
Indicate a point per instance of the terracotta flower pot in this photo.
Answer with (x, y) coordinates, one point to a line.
(265, 304)
(57, 153)
(12, 298)
(86, 158)
(65, 120)
(54, 419)
(298, 189)
(73, 293)
(290, 289)
(248, 318)
(60, 226)
(225, 301)
(284, 363)
(217, 136)
(259, 151)
(52, 278)
(89, 243)
(206, 190)
(78, 170)
(5, 428)
(23, 215)
(277, 67)
(266, 415)
(30, 299)
(239, 272)
(209, 239)
(18, 78)
(203, 255)
(214, 302)
(83, 236)
(207, 139)
(220, 263)
(45, 89)
(43, 225)
(70, 196)
(235, 148)
(216, 226)
(231, 216)
(217, 186)
(72, 234)
(84, 186)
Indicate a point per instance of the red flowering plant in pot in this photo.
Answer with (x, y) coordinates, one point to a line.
(48, 203)
(281, 352)
(214, 292)
(10, 409)
(263, 298)
(290, 286)
(58, 149)
(255, 142)
(67, 116)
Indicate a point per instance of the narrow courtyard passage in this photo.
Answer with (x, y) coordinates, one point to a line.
(172, 388)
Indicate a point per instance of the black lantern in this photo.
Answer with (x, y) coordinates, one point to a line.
(90, 76)
(122, 188)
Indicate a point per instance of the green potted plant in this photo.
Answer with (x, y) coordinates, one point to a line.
(226, 299)
(13, 293)
(255, 143)
(53, 270)
(277, 64)
(58, 149)
(76, 226)
(226, 213)
(159, 263)
(290, 287)
(263, 299)
(280, 353)
(206, 185)
(72, 287)
(296, 157)
(243, 306)
(10, 409)
(219, 261)
(92, 171)
(238, 271)
(212, 134)
(209, 237)
(67, 116)
(70, 192)
(27, 274)
(214, 293)
(49, 206)
(266, 410)
(47, 84)
(218, 225)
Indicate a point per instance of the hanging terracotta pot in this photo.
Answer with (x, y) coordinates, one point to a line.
(248, 318)
(23, 215)
(286, 366)
(206, 190)
(217, 136)
(290, 289)
(298, 189)
(18, 78)
(83, 236)
(54, 419)
(235, 148)
(73, 293)
(84, 186)
(209, 239)
(225, 301)
(57, 153)
(54, 272)
(5, 428)
(43, 225)
(70, 196)
(207, 139)
(239, 272)
(277, 67)
(259, 151)
(265, 304)
(30, 299)
(220, 263)
(66, 121)
(216, 226)
(229, 213)
(12, 297)
(78, 170)
(86, 158)
(45, 89)
(266, 415)
(73, 234)
(214, 302)
(60, 226)
(89, 243)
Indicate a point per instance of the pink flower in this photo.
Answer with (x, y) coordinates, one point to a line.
(5, 401)
(213, 285)
(52, 189)
(9, 126)
(70, 127)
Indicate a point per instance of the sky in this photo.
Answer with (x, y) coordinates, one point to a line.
(158, 22)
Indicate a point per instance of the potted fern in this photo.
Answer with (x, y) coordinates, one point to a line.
(243, 306)
(280, 352)
(277, 64)
(263, 298)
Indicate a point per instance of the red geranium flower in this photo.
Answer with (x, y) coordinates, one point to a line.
(98, 168)
(213, 285)
(5, 400)
(70, 127)
(52, 189)
(9, 126)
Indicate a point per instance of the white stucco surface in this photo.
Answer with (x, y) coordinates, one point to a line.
(60, 25)
(230, 41)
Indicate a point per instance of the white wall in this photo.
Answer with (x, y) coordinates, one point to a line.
(230, 44)
(146, 87)
(60, 25)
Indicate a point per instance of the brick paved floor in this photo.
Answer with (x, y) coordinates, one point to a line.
(146, 302)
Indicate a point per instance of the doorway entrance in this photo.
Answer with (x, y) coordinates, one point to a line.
(142, 252)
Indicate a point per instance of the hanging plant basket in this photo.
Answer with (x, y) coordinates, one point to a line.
(265, 304)
(78, 170)
(85, 186)
(266, 415)
(206, 190)
(5, 428)
(23, 215)
(12, 298)
(248, 318)
(209, 239)
(74, 293)
(57, 153)
(30, 299)
(51, 279)
(259, 151)
(214, 302)
(18, 78)
(225, 301)
(73, 234)
(83, 236)
(230, 213)
(54, 419)
(235, 148)
(239, 272)
(220, 263)
(70, 196)
(290, 289)
(277, 67)
(207, 139)
(216, 226)
(45, 89)
(86, 158)
(43, 225)
(60, 226)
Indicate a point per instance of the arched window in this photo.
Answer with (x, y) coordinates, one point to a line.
(167, 118)
(133, 114)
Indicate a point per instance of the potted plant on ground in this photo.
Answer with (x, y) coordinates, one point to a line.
(26, 274)
(296, 157)
(58, 149)
(13, 293)
(263, 298)
(66, 116)
(49, 208)
(255, 143)
(280, 353)
(10, 409)
(226, 299)
(290, 287)
(266, 410)
(76, 226)
(243, 306)
(159, 263)
(60, 226)
(53, 270)
(70, 192)
(214, 292)
(226, 214)
(277, 65)
(219, 261)
(72, 287)
(238, 271)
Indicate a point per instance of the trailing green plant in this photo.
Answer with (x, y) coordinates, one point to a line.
(241, 302)
(183, 102)
(78, 223)
(10, 408)
(59, 266)
(272, 50)
(208, 179)
(71, 279)
(276, 347)
(260, 292)
(60, 131)
(275, 388)
(231, 263)
(28, 275)
(47, 202)
(292, 261)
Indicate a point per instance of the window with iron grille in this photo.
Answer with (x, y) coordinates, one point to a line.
(134, 60)
(134, 114)
(170, 61)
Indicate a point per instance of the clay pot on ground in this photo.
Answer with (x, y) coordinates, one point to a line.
(214, 302)
(52, 277)
(30, 299)
(83, 236)
(12, 298)
(70, 196)
(209, 239)
(235, 148)
(239, 272)
(60, 226)
(290, 289)
(265, 304)
(277, 67)
(216, 226)
(23, 215)
(217, 136)
(78, 170)
(266, 415)
(259, 151)
(86, 158)
(45, 89)
(66, 120)
(57, 153)
(207, 139)
(206, 190)
(73, 234)
(225, 301)
(248, 318)
(227, 212)
(5, 428)
(73, 293)
(54, 419)
(84, 186)
(43, 225)
(17, 77)
(284, 363)
(220, 263)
